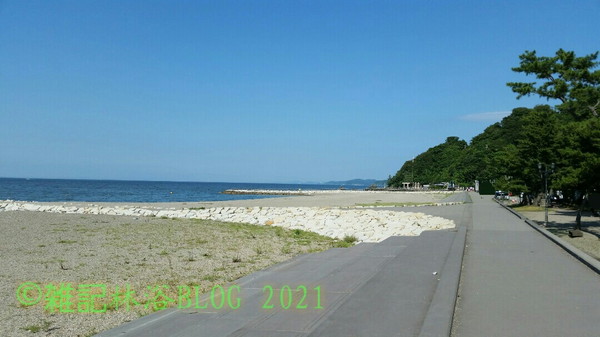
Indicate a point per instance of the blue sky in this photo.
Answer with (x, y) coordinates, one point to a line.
(261, 91)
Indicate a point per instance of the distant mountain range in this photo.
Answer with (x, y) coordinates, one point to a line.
(357, 182)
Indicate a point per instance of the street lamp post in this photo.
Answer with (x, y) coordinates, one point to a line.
(544, 173)
(413, 174)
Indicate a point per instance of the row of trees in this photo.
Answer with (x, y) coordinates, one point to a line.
(507, 153)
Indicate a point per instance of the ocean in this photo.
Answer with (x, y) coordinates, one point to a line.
(135, 191)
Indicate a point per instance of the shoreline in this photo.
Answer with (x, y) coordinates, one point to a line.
(215, 244)
(312, 198)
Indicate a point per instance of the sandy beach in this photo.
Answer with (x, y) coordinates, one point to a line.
(335, 198)
(50, 249)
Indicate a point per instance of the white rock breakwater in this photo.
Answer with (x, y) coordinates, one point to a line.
(270, 192)
(317, 192)
(366, 225)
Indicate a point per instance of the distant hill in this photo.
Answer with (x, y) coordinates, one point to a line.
(357, 182)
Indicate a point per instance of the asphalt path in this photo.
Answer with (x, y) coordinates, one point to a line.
(517, 282)
(493, 275)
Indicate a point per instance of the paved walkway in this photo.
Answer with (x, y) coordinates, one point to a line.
(389, 288)
(514, 282)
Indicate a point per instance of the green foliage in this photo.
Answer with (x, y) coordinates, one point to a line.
(342, 244)
(566, 77)
(439, 163)
(507, 153)
(579, 155)
(350, 239)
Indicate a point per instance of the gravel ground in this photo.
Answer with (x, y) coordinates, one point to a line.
(560, 221)
(119, 251)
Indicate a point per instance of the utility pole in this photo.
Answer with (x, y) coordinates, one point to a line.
(544, 173)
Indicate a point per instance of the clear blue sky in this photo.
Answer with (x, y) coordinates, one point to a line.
(261, 91)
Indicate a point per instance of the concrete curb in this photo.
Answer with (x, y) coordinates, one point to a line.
(439, 317)
(575, 252)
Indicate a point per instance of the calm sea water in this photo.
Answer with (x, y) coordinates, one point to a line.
(133, 191)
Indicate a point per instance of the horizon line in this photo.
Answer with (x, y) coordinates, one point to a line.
(190, 181)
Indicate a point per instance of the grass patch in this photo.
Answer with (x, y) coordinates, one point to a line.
(528, 208)
(350, 239)
(303, 242)
(341, 244)
(38, 328)
(68, 242)
(286, 249)
(211, 277)
(279, 231)
(346, 242)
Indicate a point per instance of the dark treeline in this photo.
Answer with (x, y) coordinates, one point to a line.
(507, 153)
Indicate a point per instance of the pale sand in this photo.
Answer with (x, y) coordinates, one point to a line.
(322, 199)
